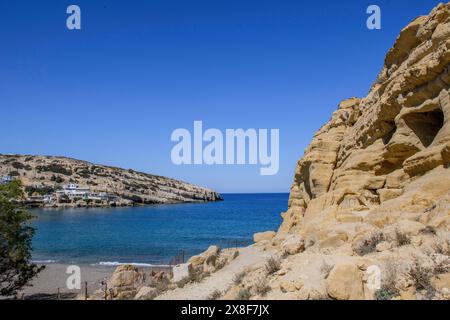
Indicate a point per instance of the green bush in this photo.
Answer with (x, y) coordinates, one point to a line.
(16, 268)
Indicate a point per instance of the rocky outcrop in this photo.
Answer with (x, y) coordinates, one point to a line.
(42, 175)
(383, 153)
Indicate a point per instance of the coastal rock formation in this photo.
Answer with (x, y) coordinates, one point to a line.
(384, 157)
(41, 175)
(124, 283)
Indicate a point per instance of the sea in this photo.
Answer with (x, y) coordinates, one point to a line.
(154, 235)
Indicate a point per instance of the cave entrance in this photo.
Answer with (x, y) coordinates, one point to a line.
(425, 125)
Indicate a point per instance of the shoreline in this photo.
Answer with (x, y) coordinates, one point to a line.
(51, 282)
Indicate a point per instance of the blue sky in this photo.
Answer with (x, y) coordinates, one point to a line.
(113, 92)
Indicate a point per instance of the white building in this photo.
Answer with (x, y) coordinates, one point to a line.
(102, 196)
(73, 190)
(5, 179)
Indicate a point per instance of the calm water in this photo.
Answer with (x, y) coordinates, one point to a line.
(152, 234)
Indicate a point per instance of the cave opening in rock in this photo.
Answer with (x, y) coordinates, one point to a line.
(425, 125)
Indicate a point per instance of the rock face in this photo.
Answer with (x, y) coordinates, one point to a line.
(43, 175)
(384, 156)
(182, 271)
(124, 283)
(345, 282)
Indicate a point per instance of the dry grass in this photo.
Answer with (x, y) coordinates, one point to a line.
(262, 287)
(183, 282)
(244, 294)
(272, 265)
(369, 244)
(421, 277)
(402, 238)
(238, 277)
(325, 269)
(429, 230)
(162, 285)
(196, 276)
(442, 246)
(215, 295)
(388, 288)
(221, 263)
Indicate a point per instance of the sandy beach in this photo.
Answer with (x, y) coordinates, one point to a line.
(51, 282)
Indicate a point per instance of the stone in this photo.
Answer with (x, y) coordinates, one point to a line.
(263, 236)
(211, 255)
(349, 218)
(408, 294)
(124, 282)
(442, 281)
(291, 286)
(293, 244)
(146, 293)
(389, 194)
(332, 241)
(384, 246)
(206, 258)
(345, 282)
(182, 272)
(409, 227)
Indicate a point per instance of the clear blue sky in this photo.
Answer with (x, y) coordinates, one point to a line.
(113, 92)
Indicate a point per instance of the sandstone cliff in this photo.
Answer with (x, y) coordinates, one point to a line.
(42, 175)
(369, 209)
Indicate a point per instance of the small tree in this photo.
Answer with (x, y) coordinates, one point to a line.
(16, 269)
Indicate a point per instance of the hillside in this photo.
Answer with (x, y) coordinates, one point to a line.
(43, 176)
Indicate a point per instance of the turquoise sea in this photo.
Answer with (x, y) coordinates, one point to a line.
(154, 234)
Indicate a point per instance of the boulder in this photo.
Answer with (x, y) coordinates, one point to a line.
(182, 272)
(345, 282)
(293, 244)
(209, 255)
(124, 282)
(384, 246)
(291, 286)
(146, 293)
(263, 236)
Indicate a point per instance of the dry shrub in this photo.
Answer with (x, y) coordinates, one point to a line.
(262, 287)
(216, 294)
(388, 289)
(238, 277)
(325, 269)
(402, 238)
(272, 265)
(244, 294)
(369, 244)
